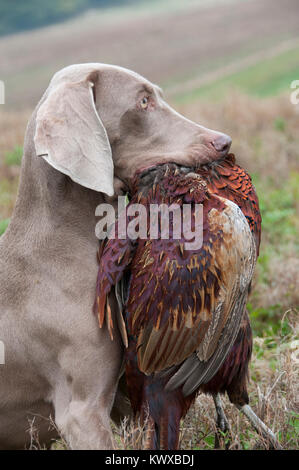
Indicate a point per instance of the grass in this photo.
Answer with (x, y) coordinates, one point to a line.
(273, 393)
(266, 78)
(3, 225)
(8, 188)
(14, 157)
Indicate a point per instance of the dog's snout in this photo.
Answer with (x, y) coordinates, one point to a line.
(222, 143)
(216, 144)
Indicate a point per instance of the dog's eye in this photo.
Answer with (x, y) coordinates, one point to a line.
(144, 103)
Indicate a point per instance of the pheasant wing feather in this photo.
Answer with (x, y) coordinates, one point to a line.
(200, 311)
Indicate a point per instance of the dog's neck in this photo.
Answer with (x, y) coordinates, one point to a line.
(49, 204)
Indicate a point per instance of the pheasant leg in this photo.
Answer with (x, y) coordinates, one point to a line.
(260, 426)
(221, 423)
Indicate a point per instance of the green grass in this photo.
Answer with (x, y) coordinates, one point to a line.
(3, 225)
(278, 208)
(14, 157)
(279, 231)
(266, 78)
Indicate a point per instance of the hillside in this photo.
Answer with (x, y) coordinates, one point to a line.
(20, 16)
(167, 42)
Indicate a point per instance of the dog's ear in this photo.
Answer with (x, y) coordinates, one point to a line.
(71, 137)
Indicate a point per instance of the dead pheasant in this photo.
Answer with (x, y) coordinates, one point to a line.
(186, 325)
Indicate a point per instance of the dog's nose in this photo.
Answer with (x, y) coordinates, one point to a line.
(222, 143)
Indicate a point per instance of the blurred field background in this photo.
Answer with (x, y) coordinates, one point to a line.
(227, 64)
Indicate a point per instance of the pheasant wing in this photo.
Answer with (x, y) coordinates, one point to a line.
(115, 256)
(192, 303)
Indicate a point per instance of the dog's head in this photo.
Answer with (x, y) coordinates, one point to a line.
(96, 122)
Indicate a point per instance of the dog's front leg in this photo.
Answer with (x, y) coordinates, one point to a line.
(85, 426)
(85, 390)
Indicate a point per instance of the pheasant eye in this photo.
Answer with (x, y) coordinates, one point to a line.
(144, 102)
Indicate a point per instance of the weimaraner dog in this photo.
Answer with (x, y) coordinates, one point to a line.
(93, 128)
